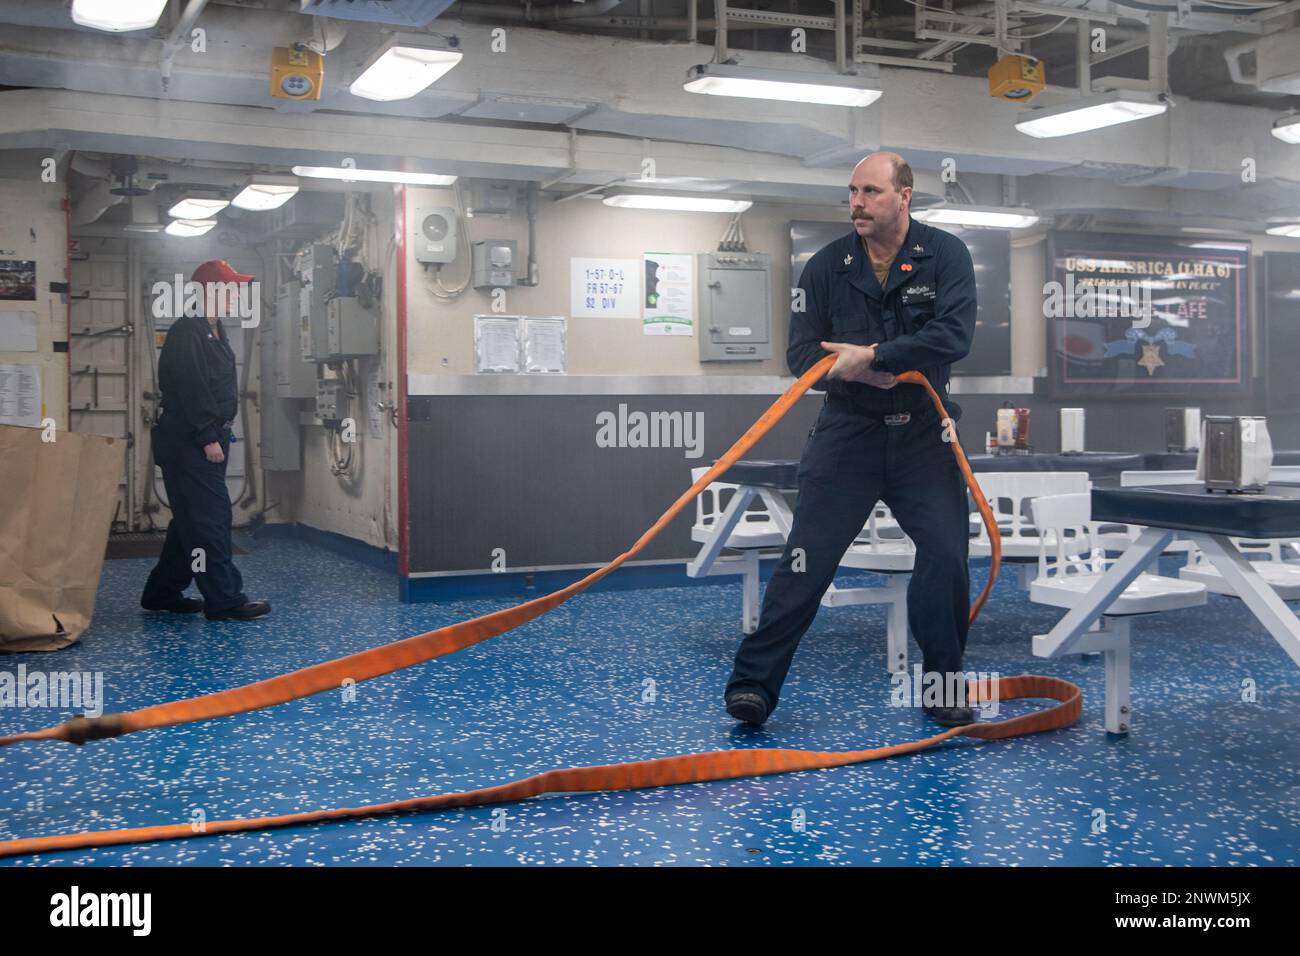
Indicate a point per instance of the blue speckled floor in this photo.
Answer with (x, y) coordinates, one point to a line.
(1205, 779)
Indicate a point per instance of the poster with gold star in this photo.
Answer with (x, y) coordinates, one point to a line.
(1131, 315)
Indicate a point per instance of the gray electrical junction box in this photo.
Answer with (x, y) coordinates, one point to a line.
(735, 306)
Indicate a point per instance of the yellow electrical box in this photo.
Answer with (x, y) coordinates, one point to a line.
(1016, 78)
(296, 74)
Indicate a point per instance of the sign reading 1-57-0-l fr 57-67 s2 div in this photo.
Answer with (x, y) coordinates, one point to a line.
(605, 288)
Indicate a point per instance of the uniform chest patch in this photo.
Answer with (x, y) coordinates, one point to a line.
(917, 292)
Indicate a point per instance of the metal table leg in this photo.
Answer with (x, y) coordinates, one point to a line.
(1258, 595)
(1071, 635)
(1070, 630)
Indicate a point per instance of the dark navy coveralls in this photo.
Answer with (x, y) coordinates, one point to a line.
(871, 444)
(200, 398)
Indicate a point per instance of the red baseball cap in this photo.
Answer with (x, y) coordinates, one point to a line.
(218, 270)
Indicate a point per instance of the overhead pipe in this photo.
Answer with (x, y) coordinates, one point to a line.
(619, 21)
(567, 11)
(280, 24)
(693, 29)
(1158, 53)
(533, 14)
(840, 30)
(531, 279)
(1134, 45)
(1083, 57)
(177, 38)
(940, 47)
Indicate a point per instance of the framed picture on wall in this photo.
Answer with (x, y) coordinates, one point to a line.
(18, 280)
(1132, 315)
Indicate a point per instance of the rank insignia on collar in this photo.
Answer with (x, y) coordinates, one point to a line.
(848, 259)
(918, 248)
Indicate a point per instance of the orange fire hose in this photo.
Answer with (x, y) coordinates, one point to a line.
(687, 768)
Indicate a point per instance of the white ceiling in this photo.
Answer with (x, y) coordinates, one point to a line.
(582, 110)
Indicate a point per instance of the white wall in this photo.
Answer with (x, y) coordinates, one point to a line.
(33, 226)
(441, 335)
(365, 509)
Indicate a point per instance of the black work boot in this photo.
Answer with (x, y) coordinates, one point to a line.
(242, 612)
(181, 605)
(950, 716)
(748, 706)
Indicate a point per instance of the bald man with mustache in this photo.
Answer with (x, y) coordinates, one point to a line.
(893, 295)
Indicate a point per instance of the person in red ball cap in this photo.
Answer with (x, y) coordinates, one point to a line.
(200, 399)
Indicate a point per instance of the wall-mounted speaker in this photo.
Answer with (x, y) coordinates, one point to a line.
(435, 234)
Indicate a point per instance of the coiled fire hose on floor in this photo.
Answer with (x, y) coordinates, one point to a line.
(664, 771)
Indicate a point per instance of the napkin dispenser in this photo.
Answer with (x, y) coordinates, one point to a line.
(1182, 429)
(1236, 453)
(1072, 431)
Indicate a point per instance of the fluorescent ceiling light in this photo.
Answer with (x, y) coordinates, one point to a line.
(373, 175)
(117, 15)
(691, 183)
(143, 227)
(833, 89)
(1290, 229)
(681, 203)
(1287, 129)
(189, 227)
(266, 192)
(998, 217)
(406, 64)
(1091, 112)
(197, 207)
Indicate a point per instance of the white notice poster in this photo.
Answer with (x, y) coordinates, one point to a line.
(605, 288)
(544, 344)
(496, 343)
(20, 395)
(669, 294)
